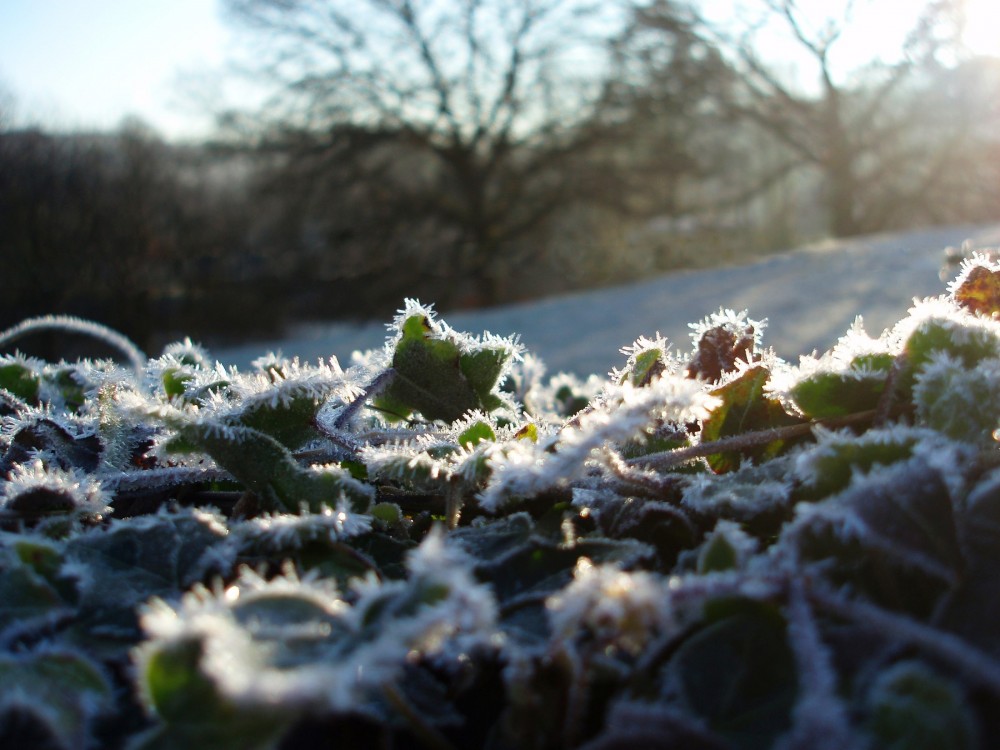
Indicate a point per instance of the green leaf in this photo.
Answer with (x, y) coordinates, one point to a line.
(475, 434)
(433, 377)
(647, 367)
(290, 421)
(965, 343)
(831, 394)
(19, 379)
(960, 402)
(175, 380)
(912, 708)
(835, 462)
(194, 713)
(267, 468)
(717, 554)
(67, 383)
(744, 408)
(125, 565)
(27, 599)
(71, 688)
(738, 672)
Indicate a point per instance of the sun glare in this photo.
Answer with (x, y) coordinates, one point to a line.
(982, 31)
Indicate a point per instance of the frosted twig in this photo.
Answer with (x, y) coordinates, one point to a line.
(380, 382)
(674, 458)
(70, 324)
(820, 720)
(637, 476)
(171, 476)
(975, 663)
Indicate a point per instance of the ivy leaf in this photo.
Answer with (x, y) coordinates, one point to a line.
(58, 445)
(267, 468)
(20, 379)
(434, 377)
(835, 394)
(830, 467)
(717, 554)
(195, 715)
(720, 348)
(132, 561)
(28, 600)
(175, 380)
(979, 291)
(71, 687)
(646, 368)
(290, 421)
(911, 708)
(476, 433)
(966, 344)
(738, 672)
(744, 408)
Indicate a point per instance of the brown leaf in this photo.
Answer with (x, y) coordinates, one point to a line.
(718, 351)
(979, 291)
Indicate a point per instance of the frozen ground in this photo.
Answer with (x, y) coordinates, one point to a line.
(809, 296)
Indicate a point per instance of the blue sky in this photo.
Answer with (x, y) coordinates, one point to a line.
(89, 63)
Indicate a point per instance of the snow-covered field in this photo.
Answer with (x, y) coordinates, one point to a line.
(809, 297)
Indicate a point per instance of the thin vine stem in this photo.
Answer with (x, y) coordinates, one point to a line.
(975, 663)
(378, 384)
(69, 324)
(679, 456)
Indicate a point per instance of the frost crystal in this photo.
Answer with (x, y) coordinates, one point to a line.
(620, 413)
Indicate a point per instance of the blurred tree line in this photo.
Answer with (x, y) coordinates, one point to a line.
(473, 152)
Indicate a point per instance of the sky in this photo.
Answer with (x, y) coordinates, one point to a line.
(82, 64)
(90, 63)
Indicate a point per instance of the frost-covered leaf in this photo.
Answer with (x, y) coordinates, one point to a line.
(267, 468)
(119, 568)
(738, 672)
(64, 449)
(30, 595)
(745, 408)
(648, 359)
(440, 373)
(829, 466)
(178, 692)
(617, 609)
(977, 288)
(33, 491)
(284, 647)
(621, 414)
(959, 400)
(20, 377)
(911, 708)
(476, 433)
(939, 326)
(831, 394)
(726, 548)
(65, 689)
(723, 342)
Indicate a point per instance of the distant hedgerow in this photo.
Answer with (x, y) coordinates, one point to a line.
(439, 547)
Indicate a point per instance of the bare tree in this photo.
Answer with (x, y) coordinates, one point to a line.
(467, 112)
(852, 123)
